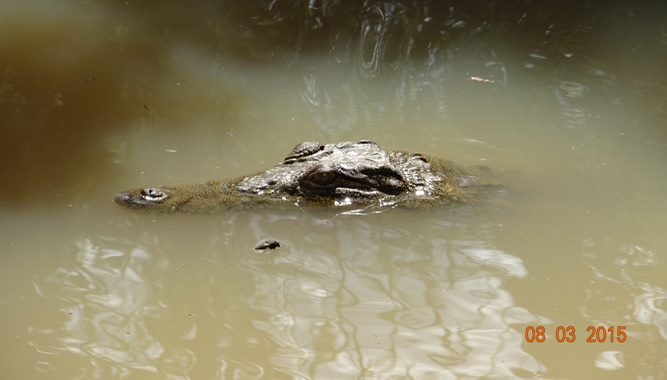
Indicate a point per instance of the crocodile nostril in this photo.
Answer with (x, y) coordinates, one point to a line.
(153, 194)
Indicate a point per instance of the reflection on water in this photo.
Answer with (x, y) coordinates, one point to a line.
(326, 306)
(620, 295)
(391, 310)
(108, 302)
(567, 102)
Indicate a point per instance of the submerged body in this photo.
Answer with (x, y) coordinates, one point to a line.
(354, 175)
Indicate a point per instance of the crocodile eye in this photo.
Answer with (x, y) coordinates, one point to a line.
(153, 194)
(323, 178)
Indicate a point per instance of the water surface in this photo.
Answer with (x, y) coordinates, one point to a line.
(568, 105)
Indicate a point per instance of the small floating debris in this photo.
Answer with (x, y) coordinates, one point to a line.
(481, 80)
(266, 245)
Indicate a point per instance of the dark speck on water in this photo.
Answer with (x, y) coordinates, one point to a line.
(267, 245)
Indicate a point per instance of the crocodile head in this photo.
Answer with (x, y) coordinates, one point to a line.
(343, 174)
(348, 172)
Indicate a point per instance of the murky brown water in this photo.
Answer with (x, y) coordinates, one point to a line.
(98, 97)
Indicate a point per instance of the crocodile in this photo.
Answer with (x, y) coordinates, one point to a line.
(353, 175)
